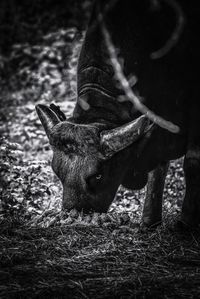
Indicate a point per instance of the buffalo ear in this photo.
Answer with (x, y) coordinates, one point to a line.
(47, 117)
(117, 139)
(58, 112)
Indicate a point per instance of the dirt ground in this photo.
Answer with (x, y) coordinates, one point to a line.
(45, 252)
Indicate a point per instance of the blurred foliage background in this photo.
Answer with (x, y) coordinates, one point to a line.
(39, 45)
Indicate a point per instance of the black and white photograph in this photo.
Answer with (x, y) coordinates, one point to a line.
(99, 149)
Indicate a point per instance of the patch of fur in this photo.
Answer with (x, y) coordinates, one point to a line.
(72, 138)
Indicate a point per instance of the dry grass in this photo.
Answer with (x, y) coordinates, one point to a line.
(101, 259)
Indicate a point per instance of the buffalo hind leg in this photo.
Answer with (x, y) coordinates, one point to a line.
(191, 204)
(152, 211)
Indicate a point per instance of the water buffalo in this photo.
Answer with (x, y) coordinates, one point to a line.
(107, 142)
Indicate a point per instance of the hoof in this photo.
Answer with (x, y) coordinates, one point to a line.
(149, 226)
(183, 226)
(188, 221)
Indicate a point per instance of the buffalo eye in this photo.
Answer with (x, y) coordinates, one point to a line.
(94, 180)
(98, 176)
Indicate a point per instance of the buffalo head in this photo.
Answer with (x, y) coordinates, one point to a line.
(90, 160)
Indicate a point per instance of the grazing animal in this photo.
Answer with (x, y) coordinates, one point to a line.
(107, 141)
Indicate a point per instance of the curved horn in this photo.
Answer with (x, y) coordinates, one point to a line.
(119, 138)
(47, 117)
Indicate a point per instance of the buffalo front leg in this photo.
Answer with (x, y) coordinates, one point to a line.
(152, 211)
